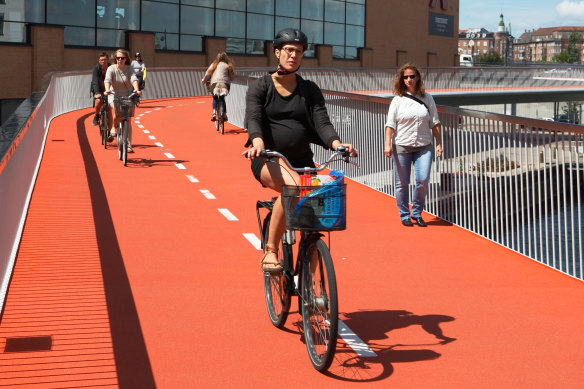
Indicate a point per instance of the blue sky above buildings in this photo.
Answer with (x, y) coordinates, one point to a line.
(522, 14)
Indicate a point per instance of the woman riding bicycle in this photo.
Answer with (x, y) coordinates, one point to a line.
(220, 73)
(121, 78)
(285, 113)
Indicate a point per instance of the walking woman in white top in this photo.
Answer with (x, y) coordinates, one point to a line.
(412, 119)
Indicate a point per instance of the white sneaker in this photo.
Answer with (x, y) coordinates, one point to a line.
(113, 132)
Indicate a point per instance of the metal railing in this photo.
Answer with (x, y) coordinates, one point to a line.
(380, 80)
(518, 182)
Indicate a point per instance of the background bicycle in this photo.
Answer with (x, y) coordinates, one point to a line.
(124, 107)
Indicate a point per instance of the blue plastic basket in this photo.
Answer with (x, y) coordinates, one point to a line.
(315, 208)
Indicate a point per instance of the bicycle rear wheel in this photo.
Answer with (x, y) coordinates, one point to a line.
(319, 305)
(278, 286)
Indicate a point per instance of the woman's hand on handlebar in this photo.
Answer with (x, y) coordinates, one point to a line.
(348, 147)
(255, 150)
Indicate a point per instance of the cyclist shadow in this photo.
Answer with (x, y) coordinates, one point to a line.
(374, 326)
(148, 163)
(234, 131)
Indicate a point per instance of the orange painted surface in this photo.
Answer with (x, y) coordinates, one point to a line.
(136, 280)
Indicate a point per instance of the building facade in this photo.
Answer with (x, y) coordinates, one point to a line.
(479, 42)
(543, 44)
(38, 37)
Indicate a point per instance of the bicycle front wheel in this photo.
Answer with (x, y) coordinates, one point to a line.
(319, 305)
(103, 128)
(278, 286)
(125, 143)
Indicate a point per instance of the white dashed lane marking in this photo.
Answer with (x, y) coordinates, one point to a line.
(207, 193)
(354, 341)
(146, 131)
(180, 166)
(169, 155)
(152, 137)
(191, 178)
(158, 144)
(228, 215)
(253, 239)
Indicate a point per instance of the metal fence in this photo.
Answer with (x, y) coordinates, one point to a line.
(380, 80)
(518, 182)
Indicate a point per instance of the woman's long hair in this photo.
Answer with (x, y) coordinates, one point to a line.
(400, 88)
(222, 57)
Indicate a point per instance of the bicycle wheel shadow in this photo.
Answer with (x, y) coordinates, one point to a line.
(374, 328)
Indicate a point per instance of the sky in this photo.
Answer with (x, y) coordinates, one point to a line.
(521, 14)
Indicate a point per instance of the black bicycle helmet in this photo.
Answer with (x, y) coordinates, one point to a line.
(290, 35)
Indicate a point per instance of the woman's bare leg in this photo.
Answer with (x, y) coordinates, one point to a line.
(275, 175)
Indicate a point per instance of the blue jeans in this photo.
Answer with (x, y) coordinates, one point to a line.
(217, 101)
(422, 161)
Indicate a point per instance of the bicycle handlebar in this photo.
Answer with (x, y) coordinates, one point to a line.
(341, 151)
(112, 92)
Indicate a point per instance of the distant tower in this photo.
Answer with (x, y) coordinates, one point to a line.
(500, 37)
(501, 28)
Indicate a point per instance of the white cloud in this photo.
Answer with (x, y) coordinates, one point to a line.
(571, 9)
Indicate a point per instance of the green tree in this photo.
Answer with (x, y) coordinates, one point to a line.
(492, 57)
(571, 54)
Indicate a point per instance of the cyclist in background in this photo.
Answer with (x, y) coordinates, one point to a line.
(139, 68)
(219, 76)
(97, 84)
(285, 113)
(121, 78)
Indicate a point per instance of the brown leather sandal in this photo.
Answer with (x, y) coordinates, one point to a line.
(274, 267)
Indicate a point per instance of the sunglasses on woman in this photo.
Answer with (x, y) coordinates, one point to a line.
(412, 76)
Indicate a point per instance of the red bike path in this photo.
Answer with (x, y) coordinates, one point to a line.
(132, 277)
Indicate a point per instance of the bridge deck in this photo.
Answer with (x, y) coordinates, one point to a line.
(132, 277)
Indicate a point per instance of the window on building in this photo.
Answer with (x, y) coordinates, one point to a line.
(161, 18)
(312, 9)
(230, 24)
(234, 5)
(261, 6)
(118, 14)
(182, 24)
(202, 3)
(70, 13)
(289, 8)
(334, 11)
(197, 21)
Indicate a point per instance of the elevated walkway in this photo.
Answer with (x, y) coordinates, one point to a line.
(142, 277)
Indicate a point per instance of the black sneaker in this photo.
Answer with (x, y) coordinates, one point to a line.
(95, 120)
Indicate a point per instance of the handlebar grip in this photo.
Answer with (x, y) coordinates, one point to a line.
(341, 149)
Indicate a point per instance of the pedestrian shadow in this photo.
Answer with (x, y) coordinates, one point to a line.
(374, 328)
